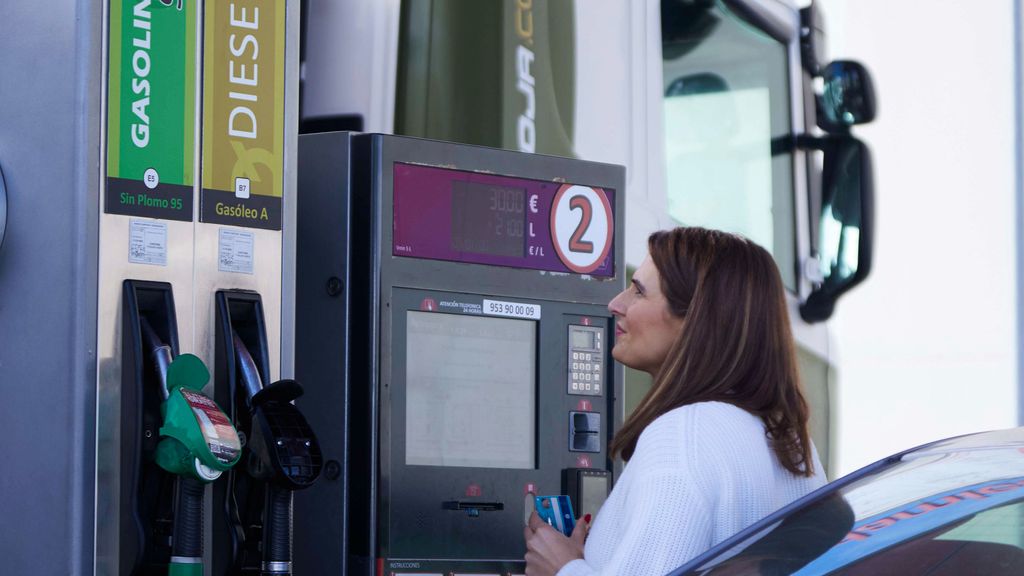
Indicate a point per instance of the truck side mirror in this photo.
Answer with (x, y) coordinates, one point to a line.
(846, 227)
(848, 97)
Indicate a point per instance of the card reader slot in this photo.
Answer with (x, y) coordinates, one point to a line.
(463, 505)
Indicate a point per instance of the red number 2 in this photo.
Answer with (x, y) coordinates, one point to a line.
(576, 242)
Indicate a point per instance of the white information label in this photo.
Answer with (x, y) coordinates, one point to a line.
(235, 251)
(511, 309)
(147, 242)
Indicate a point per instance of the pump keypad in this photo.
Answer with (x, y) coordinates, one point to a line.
(586, 360)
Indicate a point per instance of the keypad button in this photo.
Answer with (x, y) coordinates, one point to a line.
(575, 386)
(597, 377)
(587, 385)
(597, 367)
(587, 377)
(597, 387)
(575, 355)
(587, 356)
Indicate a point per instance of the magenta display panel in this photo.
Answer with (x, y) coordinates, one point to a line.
(462, 216)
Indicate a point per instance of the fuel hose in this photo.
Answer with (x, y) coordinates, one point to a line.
(277, 532)
(187, 543)
(160, 352)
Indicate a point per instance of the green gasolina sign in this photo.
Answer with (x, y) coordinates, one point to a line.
(151, 108)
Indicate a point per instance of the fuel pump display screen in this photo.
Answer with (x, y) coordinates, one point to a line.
(470, 389)
(442, 213)
(488, 219)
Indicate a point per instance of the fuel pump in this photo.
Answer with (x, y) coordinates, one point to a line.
(282, 452)
(194, 195)
(452, 326)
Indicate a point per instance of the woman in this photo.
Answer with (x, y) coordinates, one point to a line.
(720, 441)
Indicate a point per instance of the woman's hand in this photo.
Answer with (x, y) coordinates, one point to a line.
(547, 549)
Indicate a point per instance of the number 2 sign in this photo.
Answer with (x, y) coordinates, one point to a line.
(581, 227)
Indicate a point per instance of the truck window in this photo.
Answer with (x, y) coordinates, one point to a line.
(726, 97)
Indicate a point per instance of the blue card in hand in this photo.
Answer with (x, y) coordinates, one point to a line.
(556, 511)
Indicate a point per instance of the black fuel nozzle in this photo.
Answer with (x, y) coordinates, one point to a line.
(284, 453)
(283, 439)
(286, 449)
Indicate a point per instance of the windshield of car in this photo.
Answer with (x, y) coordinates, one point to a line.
(955, 508)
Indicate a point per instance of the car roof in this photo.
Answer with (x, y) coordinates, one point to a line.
(903, 478)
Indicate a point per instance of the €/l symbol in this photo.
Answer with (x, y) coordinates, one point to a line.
(536, 251)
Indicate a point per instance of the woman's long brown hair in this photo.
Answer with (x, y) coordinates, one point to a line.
(735, 345)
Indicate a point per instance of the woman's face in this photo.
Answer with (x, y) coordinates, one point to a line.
(644, 327)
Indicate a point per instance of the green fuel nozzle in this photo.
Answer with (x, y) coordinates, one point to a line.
(197, 443)
(197, 437)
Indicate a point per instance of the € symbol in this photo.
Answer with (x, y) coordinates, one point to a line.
(533, 203)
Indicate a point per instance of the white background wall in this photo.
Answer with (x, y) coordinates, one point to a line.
(927, 346)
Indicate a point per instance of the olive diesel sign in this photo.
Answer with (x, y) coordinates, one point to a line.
(243, 113)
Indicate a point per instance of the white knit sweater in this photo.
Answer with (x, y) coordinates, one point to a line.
(699, 474)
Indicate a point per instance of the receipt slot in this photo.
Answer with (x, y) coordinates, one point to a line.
(452, 313)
